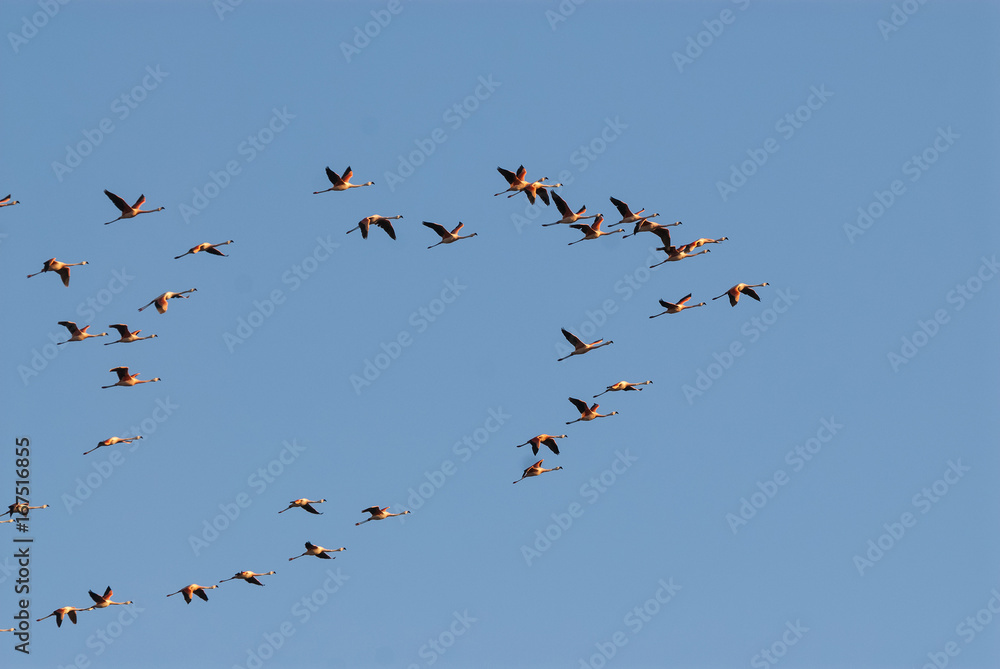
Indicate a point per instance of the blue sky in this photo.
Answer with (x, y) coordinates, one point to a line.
(809, 480)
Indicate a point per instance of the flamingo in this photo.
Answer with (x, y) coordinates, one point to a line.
(193, 589)
(646, 225)
(447, 237)
(529, 188)
(592, 231)
(579, 348)
(318, 551)
(69, 611)
(623, 385)
(701, 242)
(161, 301)
(674, 253)
(516, 180)
(22, 508)
(672, 308)
(104, 601)
(126, 379)
(248, 576)
(628, 216)
(569, 216)
(76, 334)
(341, 182)
(587, 413)
(375, 219)
(746, 289)
(535, 470)
(61, 268)
(378, 514)
(207, 248)
(126, 336)
(7, 203)
(304, 504)
(127, 211)
(537, 188)
(546, 439)
(111, 442)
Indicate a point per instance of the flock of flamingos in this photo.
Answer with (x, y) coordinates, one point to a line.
(516, 184)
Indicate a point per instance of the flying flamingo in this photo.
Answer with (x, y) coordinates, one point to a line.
(76, 334)
(628, 216)
(7, 203)
(61, 268)
(622, 385)
(207, 248)
(318, 551)
(378, 514)
(193, 589)
(592, 231)
(587, 413)
(126, 336)
(104, 601)
(375, 219)
(674, 253)
(546, 439)
(535, 470)
(304, 504)
(111, 442)
(701, 242)
(746, 289)
(447, 237)
(127, 211)
(161, 301)
(537, 188)
(341, 182)
(680, 306)
(22, 509)
(69, 611)
(529, 188)
(248, 576)
(579, 348)
(569, 216)
(646, 225)
(126, 379)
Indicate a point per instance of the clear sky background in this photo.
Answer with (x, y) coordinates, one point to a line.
(262, 363)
